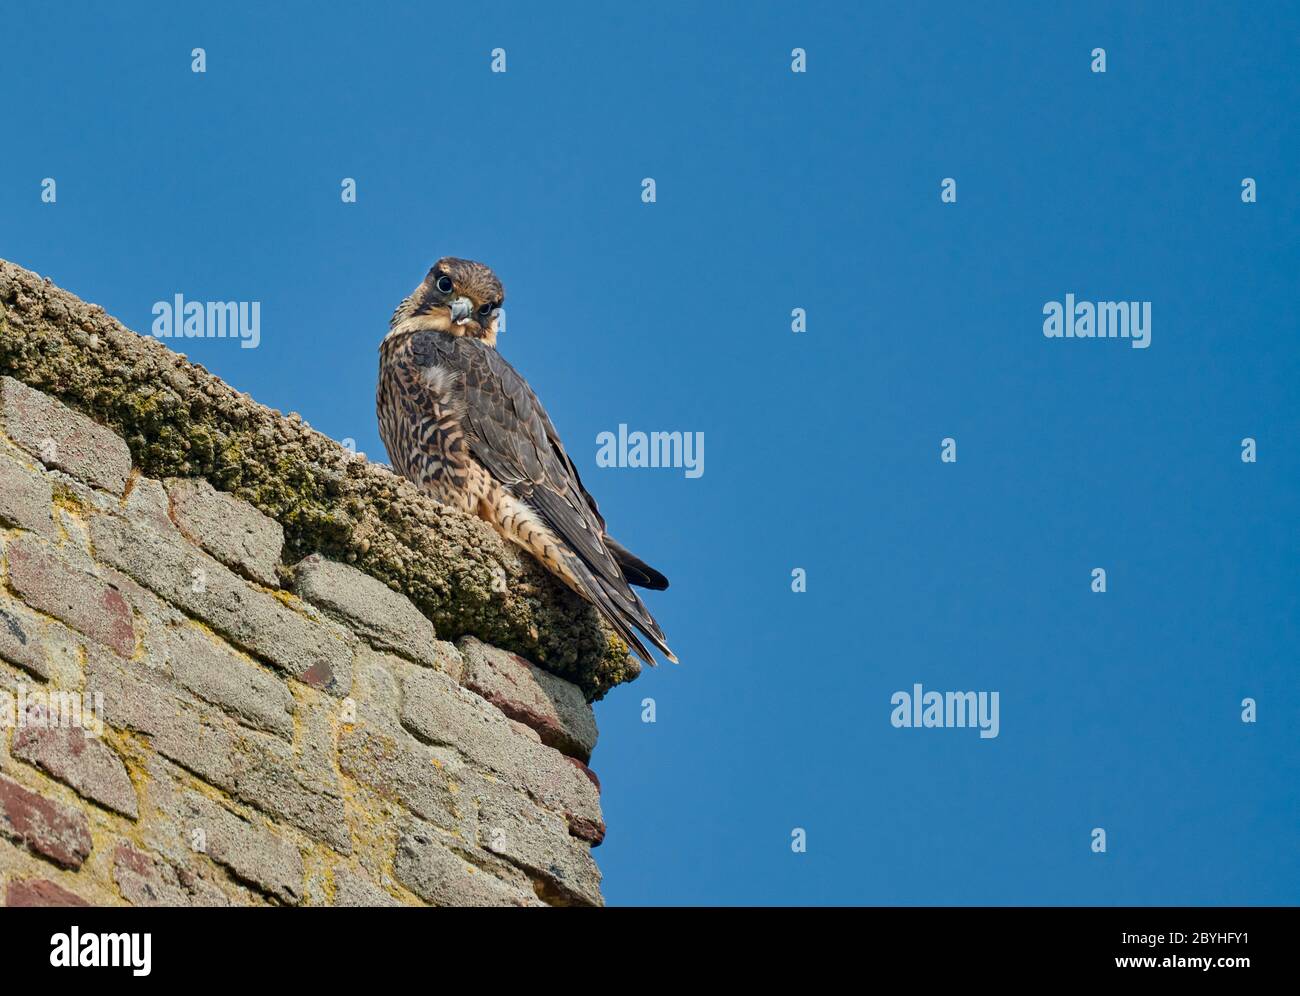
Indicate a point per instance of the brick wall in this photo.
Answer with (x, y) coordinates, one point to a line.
(196, 711)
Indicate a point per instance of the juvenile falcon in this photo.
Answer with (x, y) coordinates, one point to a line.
(460, 422)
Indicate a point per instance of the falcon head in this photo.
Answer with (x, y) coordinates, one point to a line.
(458, 296)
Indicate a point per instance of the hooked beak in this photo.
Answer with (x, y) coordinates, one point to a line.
(461, 307)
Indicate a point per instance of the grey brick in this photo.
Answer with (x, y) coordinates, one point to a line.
(231, 530)
(377, 690)
(21, 640)
(147, 505)
(353, 888)
(439, 876)
(317, 652)
(252, 853)
(302, 798)
(387, 620)
(555, 708)
(204, 742)
(438, 712)
(216, 674)
(148, 880)
(253, 767)
(61, 438)
(26, 498)
(133, 696)
(260, 772)
(48, 582)
(538, 842)
(407, 772)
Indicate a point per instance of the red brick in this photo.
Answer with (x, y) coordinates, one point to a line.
(40, 892)
(60, 833)
(46, 582)
(84, 762)
(587, 828)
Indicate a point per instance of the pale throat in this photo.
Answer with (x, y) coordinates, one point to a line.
(439, 320)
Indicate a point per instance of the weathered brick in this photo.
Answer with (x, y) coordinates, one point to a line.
(20, 639)
(40, 892)
(256, 771)
(62, 438)
(317, 652)
(377, 690)
(386, 619)
(134, 696)
(60, 833)
(217, 675)
(252, 853)
(408, 772)
(354, 889)
(538, 842)
(438, 712)
(49, 583)
(587, 772)
(555, 708)
(149, 880)
(437, 875)
(255, 768)
(147, 504)
(231, 530)
(202, 742)
(154, 618)
(76, 757)
(306, 799)
(26, 498)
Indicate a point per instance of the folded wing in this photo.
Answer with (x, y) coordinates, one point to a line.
(509, 433)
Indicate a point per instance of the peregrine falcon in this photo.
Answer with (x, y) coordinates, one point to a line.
(466, 428)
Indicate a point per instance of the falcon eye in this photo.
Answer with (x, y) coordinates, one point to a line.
(486, 309)
(444, 284)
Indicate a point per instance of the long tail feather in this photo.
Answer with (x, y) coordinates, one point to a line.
(636, 570)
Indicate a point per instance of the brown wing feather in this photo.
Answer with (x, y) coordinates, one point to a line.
(510, 434)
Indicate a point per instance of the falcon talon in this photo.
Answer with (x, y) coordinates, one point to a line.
(463, 425)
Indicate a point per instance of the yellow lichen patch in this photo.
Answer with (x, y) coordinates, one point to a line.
(135, 752)
(69, 501)
(286, 598)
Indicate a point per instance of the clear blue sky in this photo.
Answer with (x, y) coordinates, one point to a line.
(775, 190)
